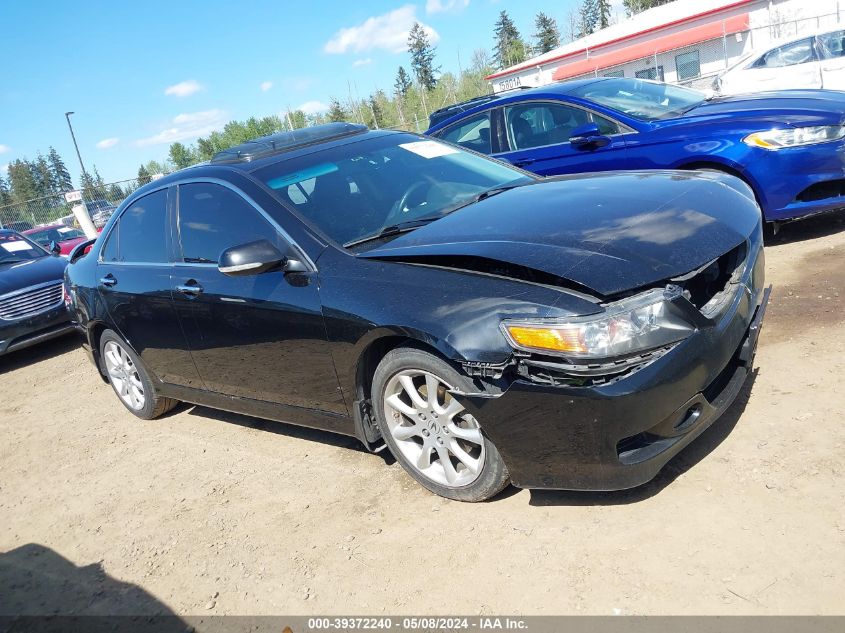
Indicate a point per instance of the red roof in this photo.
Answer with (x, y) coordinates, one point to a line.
(533, 64)
(668, 42)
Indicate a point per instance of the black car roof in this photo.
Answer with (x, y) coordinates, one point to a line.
(286, 141)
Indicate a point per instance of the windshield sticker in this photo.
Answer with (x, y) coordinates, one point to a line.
(66, 229)
(429, 149)
(14, 247)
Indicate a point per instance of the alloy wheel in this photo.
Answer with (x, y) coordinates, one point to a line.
(432, 429)
(124, 376)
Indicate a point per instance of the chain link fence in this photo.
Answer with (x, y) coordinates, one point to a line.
(100, 202)
(698, 65)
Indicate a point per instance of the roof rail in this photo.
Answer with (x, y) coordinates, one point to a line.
(285, 142)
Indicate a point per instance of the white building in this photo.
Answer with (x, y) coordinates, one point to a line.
(685, 41)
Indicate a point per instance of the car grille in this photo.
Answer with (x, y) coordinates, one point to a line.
(30, 301)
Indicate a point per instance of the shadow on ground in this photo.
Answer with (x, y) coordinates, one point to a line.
(38, 353)
(283, 428)
(808, 229)
(700, 448)
(40, 590)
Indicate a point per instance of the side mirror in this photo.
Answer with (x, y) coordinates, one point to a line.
(255, 258)
(55, 248)
(588, 136)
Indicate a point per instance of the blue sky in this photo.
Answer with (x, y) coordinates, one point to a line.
(141, 75)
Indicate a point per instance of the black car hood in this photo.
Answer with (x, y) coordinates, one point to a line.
(788, 106)
(610, 233)
(31, 273)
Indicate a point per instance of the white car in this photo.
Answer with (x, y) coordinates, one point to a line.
(808, 61)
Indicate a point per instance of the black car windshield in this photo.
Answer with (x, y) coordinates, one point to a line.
(359, 189)
(16, 248)
(641, 98)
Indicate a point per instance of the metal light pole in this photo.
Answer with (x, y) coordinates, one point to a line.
(73, 136)
(81, 210)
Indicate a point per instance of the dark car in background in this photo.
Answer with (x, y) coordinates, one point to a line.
(787, 146)
(32, 307)
(487, 325)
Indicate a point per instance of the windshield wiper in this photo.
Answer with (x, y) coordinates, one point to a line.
(487, 193)
(13, 261)
(394, 229)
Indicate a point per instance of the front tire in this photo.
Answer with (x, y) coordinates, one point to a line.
(429, 432)
(130, 380)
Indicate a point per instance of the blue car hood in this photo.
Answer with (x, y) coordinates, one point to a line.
(788, 106)
(610, 233)
(31, 273)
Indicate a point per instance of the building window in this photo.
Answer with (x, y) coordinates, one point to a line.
(650, 73)
(688, 65)
(614, 73)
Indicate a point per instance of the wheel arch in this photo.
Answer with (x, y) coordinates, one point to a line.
(369, 353)
(728, 168)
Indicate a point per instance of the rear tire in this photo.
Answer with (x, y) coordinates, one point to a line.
(429, 432)
(130, 379)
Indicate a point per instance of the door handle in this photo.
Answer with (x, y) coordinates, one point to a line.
(524, 162)
(190, 289)
(108, 281)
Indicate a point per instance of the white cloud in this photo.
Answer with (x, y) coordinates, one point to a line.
(4, 148)
(312, 107)
(362, 62)
(387, 32)
(107, 143)
(187, 127)
(445, 6)
(184, 88)
(4, 168)
(266, 85)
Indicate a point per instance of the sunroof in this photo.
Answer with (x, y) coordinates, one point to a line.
(286, 141)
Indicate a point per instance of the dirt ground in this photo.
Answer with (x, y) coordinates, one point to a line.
(207, 512)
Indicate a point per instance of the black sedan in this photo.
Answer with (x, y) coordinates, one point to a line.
(489, 326)
(32, 307)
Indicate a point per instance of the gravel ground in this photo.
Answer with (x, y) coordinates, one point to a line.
(208, 512)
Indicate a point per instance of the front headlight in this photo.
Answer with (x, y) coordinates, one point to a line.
(792, 137)
(633, 325)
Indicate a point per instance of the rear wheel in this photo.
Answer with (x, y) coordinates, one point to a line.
(130, 380)
(428, 430)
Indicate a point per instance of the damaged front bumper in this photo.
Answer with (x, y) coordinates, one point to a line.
(619, 434)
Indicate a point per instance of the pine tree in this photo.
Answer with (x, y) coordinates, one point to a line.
(510, 48)
(422, 57)
(403, 82)
(336, 111)
(603, 11)
(547, 35)
(5, 194)
(588, 17)
(143, 176)
(88, 186)
(375, 109)
(633, 7)
(42, 176)
(22, 182)
(60, 176)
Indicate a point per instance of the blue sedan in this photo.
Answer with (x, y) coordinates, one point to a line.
(789, 146)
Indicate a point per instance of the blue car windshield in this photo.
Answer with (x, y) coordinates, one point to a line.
(359, 189)
(641, 98)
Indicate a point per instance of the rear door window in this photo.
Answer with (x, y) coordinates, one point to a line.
(140, 235)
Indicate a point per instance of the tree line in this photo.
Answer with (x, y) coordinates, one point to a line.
(417, 90)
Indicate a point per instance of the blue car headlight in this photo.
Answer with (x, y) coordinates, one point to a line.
(792, 137)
